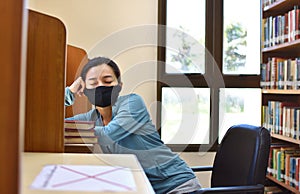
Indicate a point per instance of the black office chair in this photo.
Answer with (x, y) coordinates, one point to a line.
(241, 161)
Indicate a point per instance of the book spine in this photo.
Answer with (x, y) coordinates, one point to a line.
(280, 75)
(297, 23)
(297, 61)
(278, 173)
(287, 170)
(286, 27)
(263, 72)
(298, 123)
(292, 171)
(297, 173)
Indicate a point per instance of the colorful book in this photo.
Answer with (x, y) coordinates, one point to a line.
(284, 151)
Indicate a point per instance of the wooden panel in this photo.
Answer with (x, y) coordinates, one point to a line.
(11, 16)
(46, 48)
(76, 59)
(280, 97)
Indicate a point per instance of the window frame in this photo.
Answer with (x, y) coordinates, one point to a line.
(213, 44)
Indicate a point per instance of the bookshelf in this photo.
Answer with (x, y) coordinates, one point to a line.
(278, 19)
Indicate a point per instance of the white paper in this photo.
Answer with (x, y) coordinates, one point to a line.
(84, 178)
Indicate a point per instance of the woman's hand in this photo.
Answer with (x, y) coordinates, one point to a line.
(77, 86)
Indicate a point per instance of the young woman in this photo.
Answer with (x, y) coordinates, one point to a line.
(123, 126)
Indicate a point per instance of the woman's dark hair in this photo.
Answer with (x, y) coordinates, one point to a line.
(99, 61)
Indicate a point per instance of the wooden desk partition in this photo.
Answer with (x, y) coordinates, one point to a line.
(76, 59)
(12, 61)
(45, 84)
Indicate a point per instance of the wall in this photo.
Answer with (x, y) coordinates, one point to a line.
(108, 28)
(200, 159)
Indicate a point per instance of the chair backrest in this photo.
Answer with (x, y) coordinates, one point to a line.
(242, 157)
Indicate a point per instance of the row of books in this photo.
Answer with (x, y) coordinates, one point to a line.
(282, 118)
(284, 164)
(79, 132)
(282, 28)
(280, 73)
(266, 3)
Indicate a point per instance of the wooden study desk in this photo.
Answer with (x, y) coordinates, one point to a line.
(32, 164)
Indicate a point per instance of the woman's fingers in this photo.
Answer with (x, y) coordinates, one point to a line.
(77, 86)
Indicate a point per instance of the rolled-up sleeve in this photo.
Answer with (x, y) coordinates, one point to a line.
(131, 116)
(69, 97)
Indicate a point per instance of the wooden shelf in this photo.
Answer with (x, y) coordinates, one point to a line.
(287, 139)
(274, 91)
(279, 7)
(285, 47)
(283, 184)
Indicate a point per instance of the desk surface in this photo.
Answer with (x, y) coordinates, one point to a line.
(32, 164)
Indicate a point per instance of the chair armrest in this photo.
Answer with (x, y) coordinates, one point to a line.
(201, 168)
(232, 189)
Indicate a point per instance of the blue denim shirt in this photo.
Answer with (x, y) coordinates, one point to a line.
(131, 132)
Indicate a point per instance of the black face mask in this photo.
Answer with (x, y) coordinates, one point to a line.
(103, 96)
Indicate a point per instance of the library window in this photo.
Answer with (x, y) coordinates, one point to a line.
(241, 37)
(208, 70)
(238, 104)
(184, 35)
(185, 115)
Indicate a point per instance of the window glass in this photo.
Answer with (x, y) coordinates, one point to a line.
(241, 37)
(185, 37)
(239, 106)
(185, 115)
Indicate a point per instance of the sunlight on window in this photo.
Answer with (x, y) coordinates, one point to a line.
(241, 38)
(185, 38)
(239, 106)
(185, 115)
